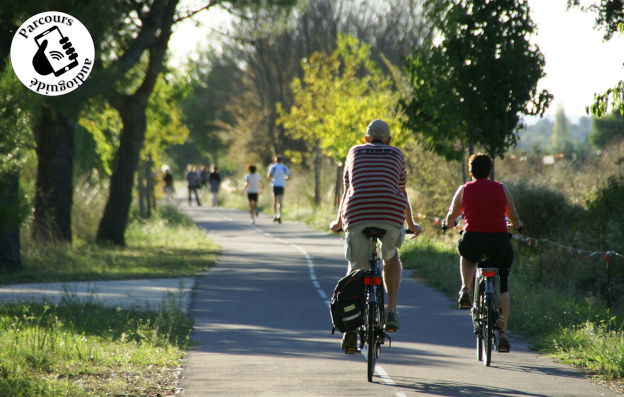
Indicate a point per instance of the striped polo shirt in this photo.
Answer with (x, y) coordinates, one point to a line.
(373, 176)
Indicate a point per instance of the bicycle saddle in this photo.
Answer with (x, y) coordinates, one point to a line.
(374, 232)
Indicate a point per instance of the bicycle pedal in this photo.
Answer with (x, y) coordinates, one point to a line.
(351, 352)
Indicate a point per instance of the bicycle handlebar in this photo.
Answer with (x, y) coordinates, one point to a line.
(445, 227)
(407, 231)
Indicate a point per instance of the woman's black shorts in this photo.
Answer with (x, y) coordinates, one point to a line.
(252, 196)
(472, 246)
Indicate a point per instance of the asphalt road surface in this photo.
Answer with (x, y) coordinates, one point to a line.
(263, 328)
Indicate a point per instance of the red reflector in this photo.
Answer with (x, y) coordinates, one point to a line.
(372, 280)
(489, 274)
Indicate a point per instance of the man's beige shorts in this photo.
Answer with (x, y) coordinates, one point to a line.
(358, 247)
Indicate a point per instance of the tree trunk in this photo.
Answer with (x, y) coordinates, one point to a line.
(54, 135)
(317, 176)
(113, 224)
(339, 184)
(463, 163)
(10, 234)
(132, 113)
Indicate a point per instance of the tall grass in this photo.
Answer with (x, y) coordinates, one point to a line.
(83, 348)
(167, 245)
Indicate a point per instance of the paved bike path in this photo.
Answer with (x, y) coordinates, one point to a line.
(263, 328)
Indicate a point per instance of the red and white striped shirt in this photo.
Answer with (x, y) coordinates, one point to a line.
(373, 175)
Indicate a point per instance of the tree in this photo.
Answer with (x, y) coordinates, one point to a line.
(609, 14)
(340, 94)
(131, 104)
(610, 17)
(473, 87)
(562, 134)
(271, 52)
(607, 130)
(215, 81)
(15, 136)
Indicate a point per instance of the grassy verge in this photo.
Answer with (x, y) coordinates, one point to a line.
(572, 329)
(82, 348)
(169, 245)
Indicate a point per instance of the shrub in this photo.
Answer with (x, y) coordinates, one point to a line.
(546, 212)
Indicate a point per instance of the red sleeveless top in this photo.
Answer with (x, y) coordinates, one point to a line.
(484, 204)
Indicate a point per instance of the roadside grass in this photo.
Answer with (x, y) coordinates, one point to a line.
(169, 245)
(567, 327)
(83, 348)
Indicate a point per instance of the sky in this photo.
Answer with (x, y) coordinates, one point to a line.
(578, 62)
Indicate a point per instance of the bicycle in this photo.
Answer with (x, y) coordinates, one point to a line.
(373, 332)
(485, 310)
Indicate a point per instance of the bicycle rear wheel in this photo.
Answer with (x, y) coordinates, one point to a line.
(476, 319)
(371, 336)
(488, 332)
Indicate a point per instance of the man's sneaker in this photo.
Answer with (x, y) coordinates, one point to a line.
(279, 219)
(393, 322)
(349, 342)
(464, 300)
(275, 218)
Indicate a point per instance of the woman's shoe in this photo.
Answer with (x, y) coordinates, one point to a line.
(464, 300)
(503, 342)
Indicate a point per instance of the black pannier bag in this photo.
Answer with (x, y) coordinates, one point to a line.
(347, 303)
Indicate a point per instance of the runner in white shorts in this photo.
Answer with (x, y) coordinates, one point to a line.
(375, 196)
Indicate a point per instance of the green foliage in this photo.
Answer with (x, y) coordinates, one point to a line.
(16, 110)
(168, 245)
(104, 125)
(475, 84)
(214, 81)
(164, 116)
(604, 218)
(562, 133)
(607, 129)
(79, 348)
(611, 14)
(614, 95)
(597, 346)
(339, 96)
(165, 126)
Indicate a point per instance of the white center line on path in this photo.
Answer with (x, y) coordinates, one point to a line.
(380, 371)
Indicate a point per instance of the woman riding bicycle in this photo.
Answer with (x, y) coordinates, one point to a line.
(485, 204)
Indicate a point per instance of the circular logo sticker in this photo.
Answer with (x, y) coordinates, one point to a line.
(52, 53)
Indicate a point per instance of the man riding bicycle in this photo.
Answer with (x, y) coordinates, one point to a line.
(485, 204)
(374, 196)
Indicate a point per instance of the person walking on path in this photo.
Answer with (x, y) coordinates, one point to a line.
(193, 183)
(254, 187)
(375, 196)
(215, 181)
(168, 184)
(203, 176)
(278, 173)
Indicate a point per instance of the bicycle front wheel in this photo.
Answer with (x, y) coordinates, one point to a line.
(488, 333)
(371, 336)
